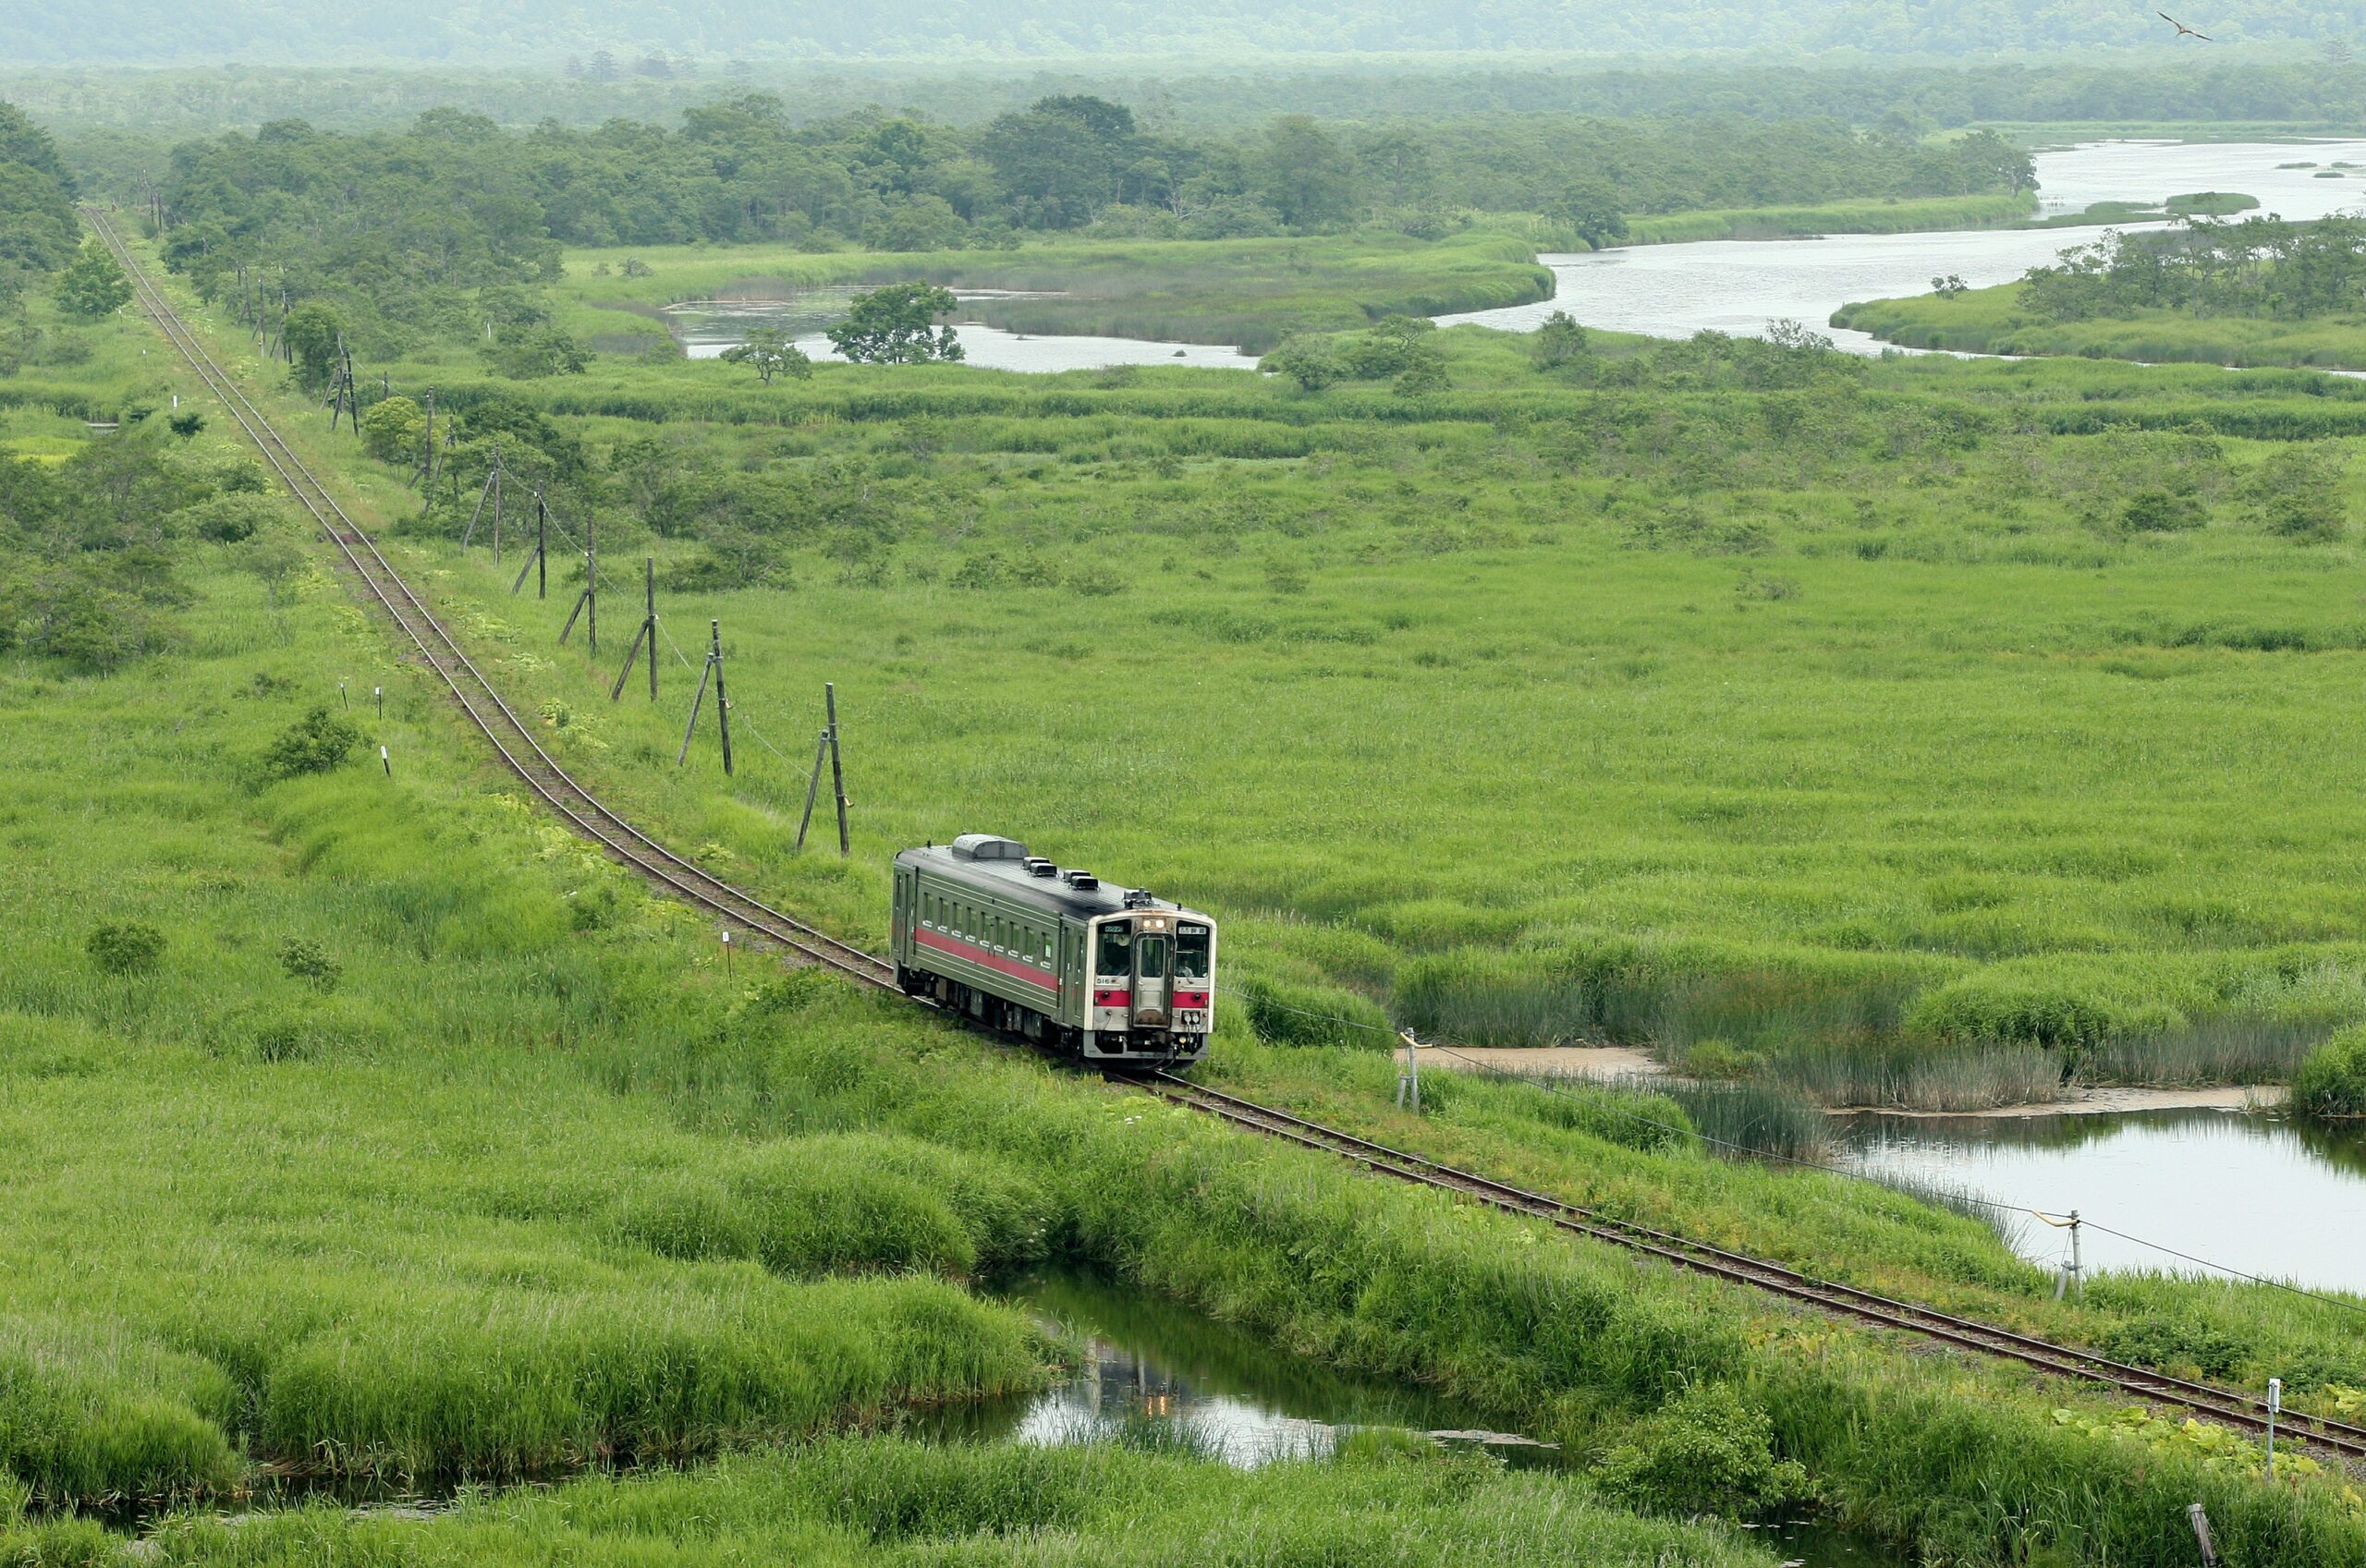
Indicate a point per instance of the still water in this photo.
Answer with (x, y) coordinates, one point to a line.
(1744, 287)
(706, 327)
(2270, 1195)
(1151, 1363)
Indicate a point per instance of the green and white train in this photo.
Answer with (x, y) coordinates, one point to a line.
(1107, 974)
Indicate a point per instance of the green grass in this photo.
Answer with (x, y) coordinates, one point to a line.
(1249, 292)
(1990, 320)
(1541, 707)
(869, 1503)
(537, 1186)
(1907, 215)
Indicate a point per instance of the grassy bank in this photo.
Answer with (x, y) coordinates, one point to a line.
(1909, 215)
(1991, 321)
(869, 1503)
(507, 1174)
(1249, 292)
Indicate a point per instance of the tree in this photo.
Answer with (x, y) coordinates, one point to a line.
(1591, 209)
(391, 430)
(313, 333)
(769, 353)
(1303, 174)
(1561, 341)
(545, 351)
(93, 285)
(272, 561)
(892, 326)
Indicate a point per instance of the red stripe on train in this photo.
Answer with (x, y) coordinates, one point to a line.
(1190, 999)
(995, 961)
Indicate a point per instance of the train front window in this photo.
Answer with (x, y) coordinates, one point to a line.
(1117, 950)
(1150, 957)
(1191, 953)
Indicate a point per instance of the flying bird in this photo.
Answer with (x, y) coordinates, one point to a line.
(2183, 31)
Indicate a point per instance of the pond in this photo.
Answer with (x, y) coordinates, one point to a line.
(1744, 287)
(706, 327)
(1217, 1389)
(2269, 1195)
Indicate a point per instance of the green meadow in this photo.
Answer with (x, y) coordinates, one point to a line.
(1915, 733)
(424, 1148)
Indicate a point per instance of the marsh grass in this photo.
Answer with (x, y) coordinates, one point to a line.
(445, 1279)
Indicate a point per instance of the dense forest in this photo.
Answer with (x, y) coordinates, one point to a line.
(37, 31)
(2258, 266)
(37, 228)
(399, 226)
(178, 102)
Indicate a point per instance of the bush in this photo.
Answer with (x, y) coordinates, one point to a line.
(128, 949)
(393, 429)
(2331, 1080)
(310, 961)
(2174, 1344)
(317, 743)
(1704, 1452)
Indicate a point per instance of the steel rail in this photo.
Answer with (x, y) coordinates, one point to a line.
(2230, 1406)
(478, 698)
(523, 753)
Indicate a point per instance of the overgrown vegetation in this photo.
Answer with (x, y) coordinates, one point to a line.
(521, 1178)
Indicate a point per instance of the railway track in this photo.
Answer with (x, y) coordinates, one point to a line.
(523, 754)
(486, 709)
(2226, 1405)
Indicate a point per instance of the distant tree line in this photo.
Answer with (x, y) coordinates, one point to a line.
(118, 121)
(2256, 266)
(447, 226)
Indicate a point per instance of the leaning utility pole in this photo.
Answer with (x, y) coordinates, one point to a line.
(588, 604)
(713, 672)
(648, 634)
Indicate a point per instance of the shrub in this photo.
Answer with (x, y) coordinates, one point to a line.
(393, 429)
(1704, 1452)
(317, 743)
(128, 949)
(2331, 1080)
(310, 961)
(2173, 1343)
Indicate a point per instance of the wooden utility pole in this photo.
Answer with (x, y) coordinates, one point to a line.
(813, 786)
(837, 768)
(713, 672)
(2200, 1522)
(587, 605)
(538, 560)
(492, 491)
(648, 634)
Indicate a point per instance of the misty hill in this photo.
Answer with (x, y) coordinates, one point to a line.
(618, 36)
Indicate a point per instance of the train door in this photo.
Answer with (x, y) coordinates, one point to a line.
(1153, 952)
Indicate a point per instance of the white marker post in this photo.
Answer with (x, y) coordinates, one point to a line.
(726, 954)
(2275, 1404)
(386, 762)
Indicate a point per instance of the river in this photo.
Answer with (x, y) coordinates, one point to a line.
(1744, 287)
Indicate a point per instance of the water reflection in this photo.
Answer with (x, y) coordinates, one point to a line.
(1744, 287)
(2267, 1195)
(1153, 1370)
(706, 327)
